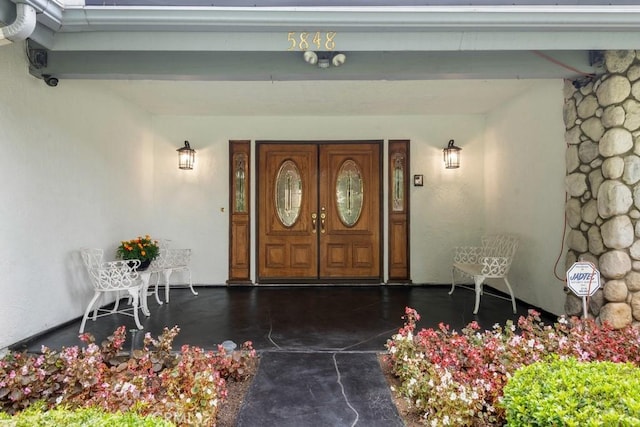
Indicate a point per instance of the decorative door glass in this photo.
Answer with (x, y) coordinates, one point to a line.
(239, 181)
(288, 193)
(349, 193)
(398, 183)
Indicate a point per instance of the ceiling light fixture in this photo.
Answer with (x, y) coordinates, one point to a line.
(324, 59)
(338, 59)
(310, 57)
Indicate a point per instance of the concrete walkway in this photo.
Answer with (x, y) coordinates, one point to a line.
(318, 389)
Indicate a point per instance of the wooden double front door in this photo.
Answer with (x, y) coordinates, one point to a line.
(319, 212)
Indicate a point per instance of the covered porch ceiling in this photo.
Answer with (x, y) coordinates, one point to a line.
(191, 58)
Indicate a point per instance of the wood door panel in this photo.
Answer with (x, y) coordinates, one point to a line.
(239, 231)
(286, 251)
(365, 233)
(398, 247)
(398, 203)
(331, 159)
(275, 256)
(239, 212)
(352, 255)
(337, 256)
(331, 248)
(363, 256)
(295, 256)
(303, 256)
(239, 268)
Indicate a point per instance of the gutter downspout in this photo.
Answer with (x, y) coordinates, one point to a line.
(22, 27)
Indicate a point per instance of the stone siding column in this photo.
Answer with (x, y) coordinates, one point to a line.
(602, 122)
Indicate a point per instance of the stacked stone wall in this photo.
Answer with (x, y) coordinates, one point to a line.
(602, 122)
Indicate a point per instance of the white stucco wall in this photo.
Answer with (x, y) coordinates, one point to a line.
(447, 209)
(81, 167)
(76, 171)
(524, 183)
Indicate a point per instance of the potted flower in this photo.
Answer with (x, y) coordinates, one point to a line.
(143, 248)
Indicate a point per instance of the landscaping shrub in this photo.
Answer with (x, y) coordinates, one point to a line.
(186, 388)
(37, 416)
(457, 378)
(572, 393)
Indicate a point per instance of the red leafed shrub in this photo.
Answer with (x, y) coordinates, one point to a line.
(457, 378)
(185, 388)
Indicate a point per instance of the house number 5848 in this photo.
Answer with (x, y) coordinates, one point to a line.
(305, 40)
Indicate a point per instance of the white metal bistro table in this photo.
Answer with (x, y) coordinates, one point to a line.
(145, 277)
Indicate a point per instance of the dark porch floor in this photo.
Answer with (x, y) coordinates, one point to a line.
(318, 364)
(319, 318)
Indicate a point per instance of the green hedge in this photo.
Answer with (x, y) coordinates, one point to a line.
(572, 393)
(35, 416)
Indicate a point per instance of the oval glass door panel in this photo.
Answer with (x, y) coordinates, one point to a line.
(288, 193)
(349, 193)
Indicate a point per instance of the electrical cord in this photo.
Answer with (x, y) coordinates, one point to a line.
(562, 64)
(564, 232)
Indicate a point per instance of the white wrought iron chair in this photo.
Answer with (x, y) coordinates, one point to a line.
(492, 260)
(170, 260)
(108, 278)
(157, 267)
(178, 260)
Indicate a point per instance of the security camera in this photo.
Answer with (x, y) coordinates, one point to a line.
(50, 80)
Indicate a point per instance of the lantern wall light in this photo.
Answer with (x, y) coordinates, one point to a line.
(186, 156)
(452, 156)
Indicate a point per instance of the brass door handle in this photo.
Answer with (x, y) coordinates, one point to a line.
(322, 217)
(314, 223)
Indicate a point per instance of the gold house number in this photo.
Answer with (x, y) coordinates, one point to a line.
(305, 40)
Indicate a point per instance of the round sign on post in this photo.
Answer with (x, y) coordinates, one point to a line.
(583, 278)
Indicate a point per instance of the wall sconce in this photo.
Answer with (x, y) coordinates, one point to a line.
(186, 156)
(452, 156)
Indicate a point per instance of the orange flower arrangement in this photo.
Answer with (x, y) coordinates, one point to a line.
(142, 248)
